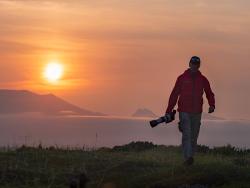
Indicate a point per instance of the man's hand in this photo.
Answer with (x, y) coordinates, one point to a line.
(211, 109)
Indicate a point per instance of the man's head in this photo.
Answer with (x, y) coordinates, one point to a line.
(194, 63)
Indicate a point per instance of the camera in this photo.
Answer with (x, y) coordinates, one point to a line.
(167, 119)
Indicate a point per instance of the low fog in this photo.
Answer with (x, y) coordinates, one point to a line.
(90, 131)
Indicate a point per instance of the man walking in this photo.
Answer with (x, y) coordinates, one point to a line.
(188, 90)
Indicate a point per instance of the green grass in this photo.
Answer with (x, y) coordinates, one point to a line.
(138, 164)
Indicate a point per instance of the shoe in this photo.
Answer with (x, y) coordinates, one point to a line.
(189, 161)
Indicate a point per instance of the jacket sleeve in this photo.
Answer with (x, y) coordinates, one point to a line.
(174, 95)
(209, 93)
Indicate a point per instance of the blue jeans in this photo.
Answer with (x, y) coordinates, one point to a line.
(190, 126)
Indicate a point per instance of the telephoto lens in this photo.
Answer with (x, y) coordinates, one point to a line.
(167, 119)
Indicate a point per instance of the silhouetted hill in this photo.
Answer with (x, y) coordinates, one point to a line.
(143, 112)
(20, 101)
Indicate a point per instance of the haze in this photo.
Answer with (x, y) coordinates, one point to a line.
(122, 55)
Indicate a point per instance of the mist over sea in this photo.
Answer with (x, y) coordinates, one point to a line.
(89, 131)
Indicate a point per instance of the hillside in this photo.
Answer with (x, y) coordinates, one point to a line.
(137, 164)
(21, 101)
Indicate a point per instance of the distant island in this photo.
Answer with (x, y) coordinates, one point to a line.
(23, 101)
(143, 112)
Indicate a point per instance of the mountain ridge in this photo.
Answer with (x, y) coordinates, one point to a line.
(19, 101)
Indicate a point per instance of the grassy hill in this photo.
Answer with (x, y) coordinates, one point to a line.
(137, 164)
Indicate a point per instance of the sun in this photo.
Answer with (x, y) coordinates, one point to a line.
(53, 71)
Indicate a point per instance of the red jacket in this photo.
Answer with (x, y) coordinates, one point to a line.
(189, 87)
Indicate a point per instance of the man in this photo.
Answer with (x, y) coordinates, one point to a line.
(189, 87)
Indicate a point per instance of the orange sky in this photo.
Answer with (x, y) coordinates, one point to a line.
(122, 55)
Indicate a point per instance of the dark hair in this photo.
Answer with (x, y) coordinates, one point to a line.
(195, 60)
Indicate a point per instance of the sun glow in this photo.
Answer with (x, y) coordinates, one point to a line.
(53, 71)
